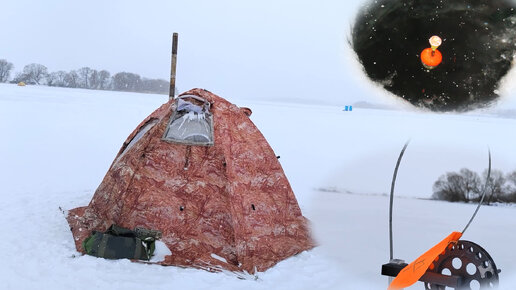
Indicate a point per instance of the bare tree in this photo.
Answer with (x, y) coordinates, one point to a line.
(103, 79)
(52, 79)
(19, 77)
(155, 86)
(5, 70)
(471, 184)
(511, 178)
(34, 73)
(453, 186)
(94, 79)
(72, 79)
(124, 81)
(84, 77)
(57, 79)
(449, 187)
(496, 187)
(510, 187)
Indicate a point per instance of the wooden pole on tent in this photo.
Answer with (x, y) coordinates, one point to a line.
(172, 90)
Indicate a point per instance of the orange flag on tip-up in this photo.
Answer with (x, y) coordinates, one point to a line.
(415, 270)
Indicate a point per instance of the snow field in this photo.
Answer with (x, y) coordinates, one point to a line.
(58, 143)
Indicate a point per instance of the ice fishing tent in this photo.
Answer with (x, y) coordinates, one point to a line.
(199, 170)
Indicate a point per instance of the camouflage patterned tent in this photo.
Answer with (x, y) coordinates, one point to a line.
(198, 170)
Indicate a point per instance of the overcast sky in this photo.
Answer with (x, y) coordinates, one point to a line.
(253, 49)
(246, 49)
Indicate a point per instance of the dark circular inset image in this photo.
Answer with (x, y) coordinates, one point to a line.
(477, 45)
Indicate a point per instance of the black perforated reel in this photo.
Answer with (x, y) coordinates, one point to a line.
(469, 261)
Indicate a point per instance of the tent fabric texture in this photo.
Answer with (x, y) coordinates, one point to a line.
(226, 204)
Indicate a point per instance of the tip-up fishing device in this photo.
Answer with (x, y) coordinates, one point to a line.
(454, 263)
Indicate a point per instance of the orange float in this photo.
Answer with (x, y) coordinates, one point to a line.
(431, 57)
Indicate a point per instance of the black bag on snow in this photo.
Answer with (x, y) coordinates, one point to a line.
(120, 243)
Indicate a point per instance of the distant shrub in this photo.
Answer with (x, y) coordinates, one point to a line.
(468, 186)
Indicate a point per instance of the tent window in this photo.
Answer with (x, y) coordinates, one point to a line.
(191, 123)
(144, 129)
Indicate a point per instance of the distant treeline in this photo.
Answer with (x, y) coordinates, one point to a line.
(85, 78)
(468, 186)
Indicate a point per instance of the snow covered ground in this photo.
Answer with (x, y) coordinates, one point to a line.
(58, 143)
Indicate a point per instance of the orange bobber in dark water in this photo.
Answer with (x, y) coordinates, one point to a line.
(431, 57)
